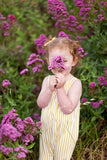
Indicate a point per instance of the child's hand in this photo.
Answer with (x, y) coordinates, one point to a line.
(52, 83)
(60, 80)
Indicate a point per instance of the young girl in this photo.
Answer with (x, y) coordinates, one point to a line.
(59, 100)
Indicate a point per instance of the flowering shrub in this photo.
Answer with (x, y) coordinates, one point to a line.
(22, 67)
(17, 135)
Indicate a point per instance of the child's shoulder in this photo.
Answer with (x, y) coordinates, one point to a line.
(77, 80)
(46, 80)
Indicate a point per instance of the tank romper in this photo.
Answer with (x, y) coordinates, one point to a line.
(59, 131)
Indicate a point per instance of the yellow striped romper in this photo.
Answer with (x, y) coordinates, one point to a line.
(59, 131)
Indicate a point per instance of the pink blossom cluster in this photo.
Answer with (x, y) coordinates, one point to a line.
(13, 129)
(57, 62)
(102, 80)
(81, 52)
(62, 17)
(96, 104)
(11, 19)
(35, 62)
(63, 34)
(6, 150)
(5, 25)
(21, 152)
(6, 83)
(40, 42)
(19, 47)
(74, 23)
(24, 71)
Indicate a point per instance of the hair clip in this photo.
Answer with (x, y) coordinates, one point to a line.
(49, 41)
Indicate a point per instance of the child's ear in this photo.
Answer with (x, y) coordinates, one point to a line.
(47, 60)
(75, 61)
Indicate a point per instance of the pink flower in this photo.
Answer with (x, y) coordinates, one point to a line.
(84, 100)
(101, 102)
(6, 83)
(20, 51)
(101, 79)
(95, 20)
(85, 54)
(95, 104)
(21, 155)
(95, 11)
(105, 82)
(80, 27)
(57, 62)
(81, 55)
(92, 84)
(19, 46)
(39, 123)
(24, 71)
(100, 17)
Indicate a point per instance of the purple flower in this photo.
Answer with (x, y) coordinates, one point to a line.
(92, 84)
(11, 18)
(20, 51)
(21, 155)
(80, 28)
(101, 101)
(81, 55)
(95, 11)
(39, 124)
(100, 17)
(101, 79)
(21, 148)
(6, 150)
(9, 131)
(10, 116)
(6, 83)
(33, 56)
(19, 124)
(24, 71)
(41, 41)
(28, 121)
(63, 34)
(105, 82)
(57, 62)
(19, 46)
(85, 54)
(36, 116)
(80, 50)
(27, 138)
(95, 20)
(95, 104)
(84, 100)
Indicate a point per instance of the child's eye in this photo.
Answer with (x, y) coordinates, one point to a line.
(65, 60)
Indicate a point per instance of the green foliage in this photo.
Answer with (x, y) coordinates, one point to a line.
(32, 19)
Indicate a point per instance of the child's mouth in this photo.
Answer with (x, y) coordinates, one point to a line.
(61, 70)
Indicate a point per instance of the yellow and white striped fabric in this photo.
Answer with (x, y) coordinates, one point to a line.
(59, 131)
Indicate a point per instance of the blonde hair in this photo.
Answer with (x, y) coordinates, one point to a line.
(62, 42)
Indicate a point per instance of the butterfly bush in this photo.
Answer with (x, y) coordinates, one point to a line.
(57, 62)
(16, 135)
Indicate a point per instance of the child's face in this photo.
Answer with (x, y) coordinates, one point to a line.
(67, 57)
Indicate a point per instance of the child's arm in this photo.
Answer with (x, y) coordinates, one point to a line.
(69, 102)
(46, 92)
